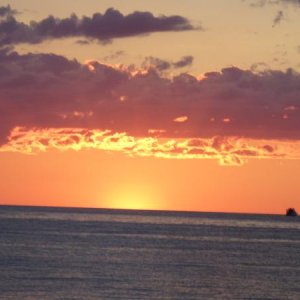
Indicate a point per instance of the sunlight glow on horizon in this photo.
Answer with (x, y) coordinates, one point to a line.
(132, 196)
(152, 105)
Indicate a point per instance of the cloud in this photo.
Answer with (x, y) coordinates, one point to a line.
(294, 2)
(7, 11)
(184, 62)
(163, 65)
(50, 91)
(278, 18)
(101, 27)
(231, 151)
(157, 63)
(262, 3)
(83, 42)
(114, 55)
(181, 119)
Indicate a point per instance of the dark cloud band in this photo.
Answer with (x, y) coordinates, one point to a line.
(102, 27)
(47, 90)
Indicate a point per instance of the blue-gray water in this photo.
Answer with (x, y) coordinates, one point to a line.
(58, 253)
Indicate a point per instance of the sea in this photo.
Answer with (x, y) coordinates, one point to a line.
(71, 253)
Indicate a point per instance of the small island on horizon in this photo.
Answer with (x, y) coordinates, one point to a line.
(291, 212)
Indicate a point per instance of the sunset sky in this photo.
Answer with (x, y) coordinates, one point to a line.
(174, 105)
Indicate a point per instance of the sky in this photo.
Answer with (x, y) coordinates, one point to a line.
(171, 105)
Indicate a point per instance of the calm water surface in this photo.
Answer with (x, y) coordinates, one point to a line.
(58, 253)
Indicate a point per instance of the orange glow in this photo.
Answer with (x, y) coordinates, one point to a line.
(181, 119)
(156, 131)
(122, 98)
(133, 118)
(77, 114)
(89, 65)
(154, 173)
(92, 64)
(93, 178)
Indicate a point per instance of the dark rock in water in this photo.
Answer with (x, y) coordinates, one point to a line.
(291, 212)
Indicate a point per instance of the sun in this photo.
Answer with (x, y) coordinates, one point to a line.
(133, 196)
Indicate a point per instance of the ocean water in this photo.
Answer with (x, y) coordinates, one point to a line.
(58, 253)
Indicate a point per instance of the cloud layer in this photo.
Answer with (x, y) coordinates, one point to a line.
(47, 90)
(101, 27)
(227, 150)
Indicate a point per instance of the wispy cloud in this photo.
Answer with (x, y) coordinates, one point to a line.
(163, 65)
(262, 3)
(278, 18)
(7, 11)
